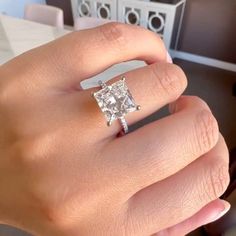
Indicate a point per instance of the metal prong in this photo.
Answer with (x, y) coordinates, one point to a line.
(109, 123)
(138, 107)
(102, 84)
(123, 78)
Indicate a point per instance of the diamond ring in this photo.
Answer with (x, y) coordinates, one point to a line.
(115, 101)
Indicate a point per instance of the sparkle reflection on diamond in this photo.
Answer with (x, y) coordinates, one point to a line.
(115, 100)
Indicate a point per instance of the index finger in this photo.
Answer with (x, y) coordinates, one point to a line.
(80, 55)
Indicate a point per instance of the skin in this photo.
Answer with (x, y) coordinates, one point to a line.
(64, 172)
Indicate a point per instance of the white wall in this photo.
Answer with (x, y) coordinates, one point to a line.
(15, 7)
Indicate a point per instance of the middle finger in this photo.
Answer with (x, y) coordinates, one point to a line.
(164, 147)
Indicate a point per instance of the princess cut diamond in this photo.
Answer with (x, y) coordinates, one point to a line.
(115, 100)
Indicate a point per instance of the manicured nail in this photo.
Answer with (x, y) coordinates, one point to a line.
(221, 212)
(168, 58)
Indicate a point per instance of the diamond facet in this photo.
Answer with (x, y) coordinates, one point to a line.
(115, 100)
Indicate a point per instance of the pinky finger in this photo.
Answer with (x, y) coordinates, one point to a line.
(211, 212)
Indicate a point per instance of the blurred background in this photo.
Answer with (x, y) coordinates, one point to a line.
(199, 34)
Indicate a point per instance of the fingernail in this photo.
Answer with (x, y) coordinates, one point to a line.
(168, 58)
(221, 212)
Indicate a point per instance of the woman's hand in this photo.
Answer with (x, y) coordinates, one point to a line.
(64, 172)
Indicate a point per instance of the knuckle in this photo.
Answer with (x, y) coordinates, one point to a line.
(207, 131)
(23, 152)
(32, 151)
(6, 94)
(114, 33)
(218, 179)
(29, 156)
(56, 215)
(53, 213)
(27, 152)
(169, 78)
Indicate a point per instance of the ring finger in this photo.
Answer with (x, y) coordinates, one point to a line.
(152, 87)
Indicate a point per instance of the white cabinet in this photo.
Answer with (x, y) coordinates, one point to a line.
(164, 19)
(106, 9)
(161, 18)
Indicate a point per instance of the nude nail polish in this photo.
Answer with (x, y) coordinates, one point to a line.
(222, 212)
(168, 58)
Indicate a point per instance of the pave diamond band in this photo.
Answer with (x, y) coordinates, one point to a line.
(124, 124)
(115, 101)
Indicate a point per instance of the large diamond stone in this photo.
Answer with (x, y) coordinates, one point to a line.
(115, 100)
